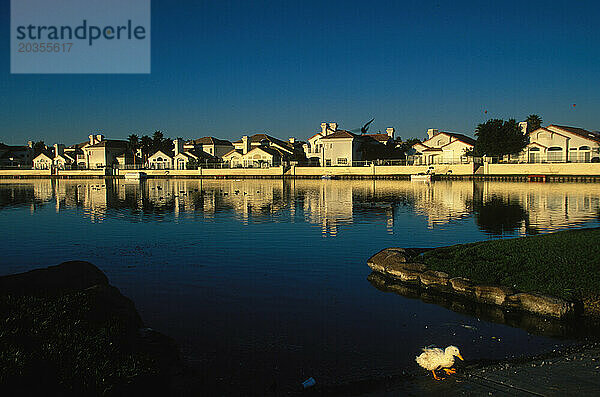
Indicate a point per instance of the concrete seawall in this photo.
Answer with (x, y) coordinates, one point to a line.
(589, 172)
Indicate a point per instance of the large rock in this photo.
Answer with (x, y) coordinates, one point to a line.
(376, 261)
(432, 278)
(391, 265)
(406, 275)
(386, 256)
(461, 285)
(68, 276)
(491, 294)
(541, 304)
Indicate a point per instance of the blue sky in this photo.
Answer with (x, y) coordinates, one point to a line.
(226, 69)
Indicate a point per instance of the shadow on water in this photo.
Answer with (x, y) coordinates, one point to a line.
(580, 328)
(499, 215)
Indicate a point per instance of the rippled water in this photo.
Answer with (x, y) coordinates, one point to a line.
(264, 281)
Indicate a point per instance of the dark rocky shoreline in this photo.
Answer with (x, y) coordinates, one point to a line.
(67, 331)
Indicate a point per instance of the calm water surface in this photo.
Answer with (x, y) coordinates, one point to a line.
(266, 280)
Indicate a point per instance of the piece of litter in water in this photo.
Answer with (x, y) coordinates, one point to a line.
(310, 382)
(468, 326)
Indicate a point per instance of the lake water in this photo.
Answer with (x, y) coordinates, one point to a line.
(264, 281)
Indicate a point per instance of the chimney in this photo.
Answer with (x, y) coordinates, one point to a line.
(324, 129)
(99, 138)
(523, 125)
(292, 140)
(30, 144)
(332, 127)
(92, 139)
(390, 132)
(245, 144)
(431, 133)
(59, 149)
(178, 146)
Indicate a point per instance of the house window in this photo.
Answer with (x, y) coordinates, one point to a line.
(584, 154)
(534, 155)
(328, 163)
(342, 161)
(555, 153)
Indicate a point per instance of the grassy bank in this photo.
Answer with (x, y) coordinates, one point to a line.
(563, 264)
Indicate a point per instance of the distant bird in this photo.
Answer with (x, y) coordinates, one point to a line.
(433, 359)
(365, 127)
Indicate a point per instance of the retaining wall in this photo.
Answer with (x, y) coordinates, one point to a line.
(566, 169)
(24, 173)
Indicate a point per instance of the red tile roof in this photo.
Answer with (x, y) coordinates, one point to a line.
(209, 140)
(340, 134)
(379, 137)
(579, 131)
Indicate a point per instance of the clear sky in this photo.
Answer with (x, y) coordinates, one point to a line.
(225, 69)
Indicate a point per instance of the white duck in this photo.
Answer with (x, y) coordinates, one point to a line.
(434, 359)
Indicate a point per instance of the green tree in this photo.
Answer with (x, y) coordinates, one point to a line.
(402, 147)
(533, 122)
(157, 140)
(497, 137)
(38, 147)
(146, 144)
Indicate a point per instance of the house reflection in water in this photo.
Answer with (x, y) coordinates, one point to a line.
(498, 208)
(530, 208)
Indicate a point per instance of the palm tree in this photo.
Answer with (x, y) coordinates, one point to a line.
(157, 140)
(533, 122)
(133, 145)
(146, 144)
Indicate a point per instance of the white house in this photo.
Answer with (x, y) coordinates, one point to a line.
(292, 146)
(261, 150)
(557, 143)
(180, 158)
(48, 159)
(194, 157)
(63, 160)
(101, 153)
(265, 153)
(331, 146)
(213, 146)
(442, 147)
(161, 160)
(44, 160)
(234, 158)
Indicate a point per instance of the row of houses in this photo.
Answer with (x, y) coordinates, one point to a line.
(330, 146)
(96, 152)
(555, 143)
